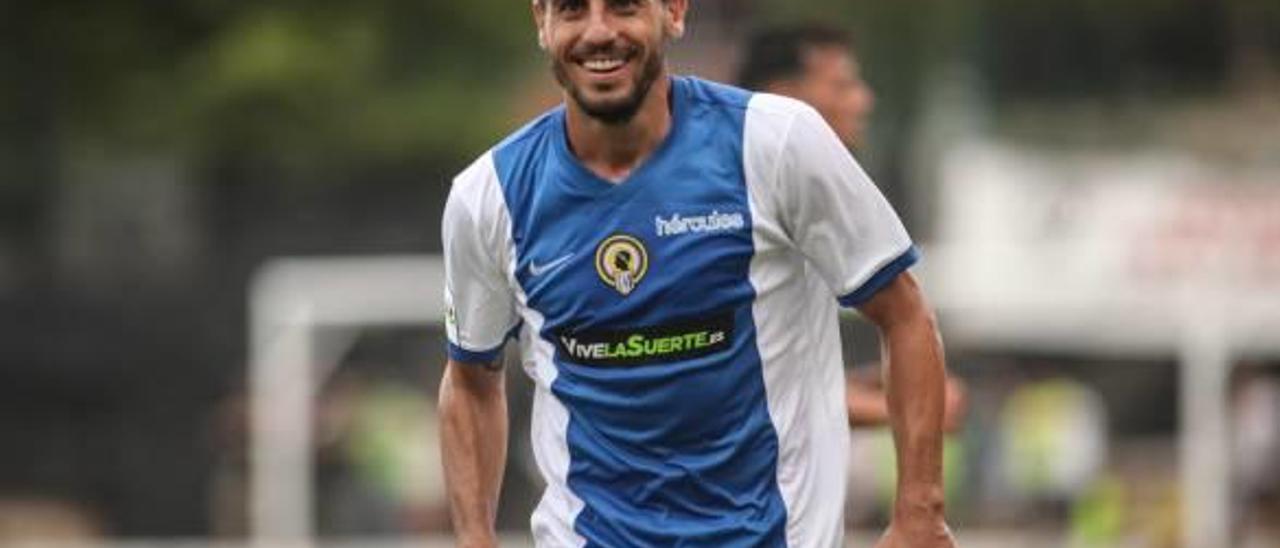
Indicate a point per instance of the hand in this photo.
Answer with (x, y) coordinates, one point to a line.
(917, 533)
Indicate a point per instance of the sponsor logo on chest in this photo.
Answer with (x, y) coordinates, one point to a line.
(714, 221)
(674, 341)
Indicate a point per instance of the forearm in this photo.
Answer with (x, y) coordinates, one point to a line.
(473, 414)
(915, 380)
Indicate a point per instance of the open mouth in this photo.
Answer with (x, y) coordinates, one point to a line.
(604, 64)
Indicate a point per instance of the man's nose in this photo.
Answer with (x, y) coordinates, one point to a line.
(600, 25)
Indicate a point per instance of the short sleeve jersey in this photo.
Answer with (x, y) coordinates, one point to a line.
(680, 326)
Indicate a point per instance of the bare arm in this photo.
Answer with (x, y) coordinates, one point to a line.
(868, 408)
(473, 415)
(914, 375)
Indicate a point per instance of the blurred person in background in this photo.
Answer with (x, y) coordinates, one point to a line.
(816, 64)
(376, 459)
(611, 237)
(1256, 451)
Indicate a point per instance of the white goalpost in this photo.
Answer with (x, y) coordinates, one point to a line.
(290, 300)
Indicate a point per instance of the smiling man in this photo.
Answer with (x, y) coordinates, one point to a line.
(669, 254)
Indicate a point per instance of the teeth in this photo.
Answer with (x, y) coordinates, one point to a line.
(602, 65)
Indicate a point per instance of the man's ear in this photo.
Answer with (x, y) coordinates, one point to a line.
(539, 9)
(676, 10)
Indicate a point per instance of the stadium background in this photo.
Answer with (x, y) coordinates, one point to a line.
(1068, 162)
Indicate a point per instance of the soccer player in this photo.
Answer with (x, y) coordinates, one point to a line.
(669, 254)
(816, 64)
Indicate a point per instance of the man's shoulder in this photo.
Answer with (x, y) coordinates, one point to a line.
(779, 108)
(780, 104)
(756, 102)
(715, 94)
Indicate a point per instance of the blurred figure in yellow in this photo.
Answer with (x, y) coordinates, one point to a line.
(816, 64)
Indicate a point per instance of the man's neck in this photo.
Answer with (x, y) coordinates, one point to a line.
(613, 151)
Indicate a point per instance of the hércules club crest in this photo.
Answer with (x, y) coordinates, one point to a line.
(621, 262)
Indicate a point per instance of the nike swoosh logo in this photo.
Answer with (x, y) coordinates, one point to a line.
(536, 269)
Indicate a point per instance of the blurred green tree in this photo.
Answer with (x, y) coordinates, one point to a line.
(311, 83)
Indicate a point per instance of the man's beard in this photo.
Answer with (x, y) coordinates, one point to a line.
(619, 112)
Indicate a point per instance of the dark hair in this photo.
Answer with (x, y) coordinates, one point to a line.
(777, 53)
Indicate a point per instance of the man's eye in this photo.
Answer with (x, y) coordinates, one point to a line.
(570, 6)
(626, 6)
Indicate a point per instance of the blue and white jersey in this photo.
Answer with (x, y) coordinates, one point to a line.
(680, 326)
